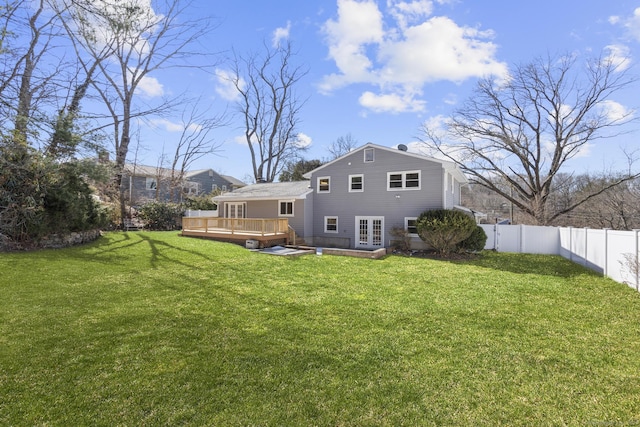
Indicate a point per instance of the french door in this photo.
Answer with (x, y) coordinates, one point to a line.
(370, 232)
(235, 210)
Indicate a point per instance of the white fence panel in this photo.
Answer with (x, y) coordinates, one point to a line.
(620, 245)
(200, 213)
(596, 255)
(540, 240)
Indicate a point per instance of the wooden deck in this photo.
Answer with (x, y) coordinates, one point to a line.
(265, 230)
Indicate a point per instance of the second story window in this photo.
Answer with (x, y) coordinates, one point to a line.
(408, 180)
(356, 183)
(324, 185)
(151, 183)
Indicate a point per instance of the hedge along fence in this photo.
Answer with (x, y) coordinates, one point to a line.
(613, 253)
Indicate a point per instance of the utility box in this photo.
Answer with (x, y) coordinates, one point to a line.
(252, 244)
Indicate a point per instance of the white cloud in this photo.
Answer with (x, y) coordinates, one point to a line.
(303, 140)
(281, 33)
(406, 13)
(391, 103)
(630, 23)
(170, 126)
(402, 54)
(225, 86)
(615, 111)
(619, 56)
(359, 24)
(150, 87)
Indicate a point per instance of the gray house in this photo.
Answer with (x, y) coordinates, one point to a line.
(355, 200)
(145, 183)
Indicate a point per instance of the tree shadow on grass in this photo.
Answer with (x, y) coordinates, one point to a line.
(117, 250)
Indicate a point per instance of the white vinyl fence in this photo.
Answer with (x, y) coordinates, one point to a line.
(613, 253)
(197, 213)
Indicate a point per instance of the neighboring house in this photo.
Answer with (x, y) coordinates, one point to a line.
(355, 200)
(144, 183)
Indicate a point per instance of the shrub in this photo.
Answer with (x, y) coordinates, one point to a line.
(475, 242)
(161, 215)
(41, 196)
(444, 229)
(400, 238)
(203, 202)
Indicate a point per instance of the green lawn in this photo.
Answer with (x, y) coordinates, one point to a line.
(156, 329)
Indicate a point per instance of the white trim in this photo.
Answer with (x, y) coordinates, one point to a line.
(328, 178)
(325, 224)
(404, 180)
(293, 205)
(351, 190)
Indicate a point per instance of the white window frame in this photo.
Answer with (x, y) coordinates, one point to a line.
(372, 157)
(151, 183)
(191, 188)
(406, 225)
(351, 189)
(292, 202)
(326, 223)
(403, 175)
(328, 190)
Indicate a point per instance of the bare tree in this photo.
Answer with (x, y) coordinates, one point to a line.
(342, 146)
(523, 130)
(139, 40)
(194, 143)
(270, 108)
(26, 84)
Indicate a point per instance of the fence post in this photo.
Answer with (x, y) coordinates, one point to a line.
(606, 252)
(586, 243)
(522, 243)
(636, 267)
(570, 243)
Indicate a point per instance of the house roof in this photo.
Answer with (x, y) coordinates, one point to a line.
(446, 164)
(155, 171)
(268, 191)
(234, 181)
(142, 170)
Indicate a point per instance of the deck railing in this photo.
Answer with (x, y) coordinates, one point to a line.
(244, 226)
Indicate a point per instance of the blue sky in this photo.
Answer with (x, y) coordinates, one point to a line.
(378, 69)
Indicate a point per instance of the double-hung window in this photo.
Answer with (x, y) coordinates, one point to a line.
(330, 224)
(324, 184)
(356, 183)
(410, 225)
(406, 180)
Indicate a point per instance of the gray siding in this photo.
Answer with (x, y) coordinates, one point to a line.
(207, 179)
(376, 200)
